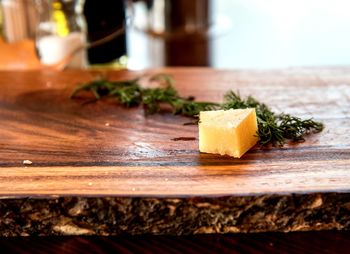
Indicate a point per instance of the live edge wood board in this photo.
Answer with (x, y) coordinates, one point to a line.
(98, 168)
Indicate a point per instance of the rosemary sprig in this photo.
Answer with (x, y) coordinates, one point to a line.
(273, 128)
(126, 92)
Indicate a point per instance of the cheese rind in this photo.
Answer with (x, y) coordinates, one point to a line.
(227, 132)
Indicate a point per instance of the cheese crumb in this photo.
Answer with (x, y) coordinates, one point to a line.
(27, 162)
(228, 132)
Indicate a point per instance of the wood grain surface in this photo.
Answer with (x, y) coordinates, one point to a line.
(103, 149)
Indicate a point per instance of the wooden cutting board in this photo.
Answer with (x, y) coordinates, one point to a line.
(101, 169)
(104, 149)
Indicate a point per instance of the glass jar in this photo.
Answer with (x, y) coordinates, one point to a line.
(61, 33)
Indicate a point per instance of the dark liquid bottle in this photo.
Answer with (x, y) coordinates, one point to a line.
(103, 18)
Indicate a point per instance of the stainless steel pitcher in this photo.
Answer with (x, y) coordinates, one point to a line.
(172, 18)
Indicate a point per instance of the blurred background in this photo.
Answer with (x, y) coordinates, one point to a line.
(138, 34)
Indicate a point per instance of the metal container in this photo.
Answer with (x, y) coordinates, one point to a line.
(172, 18)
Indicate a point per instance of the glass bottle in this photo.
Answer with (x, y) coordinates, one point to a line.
(103, 19)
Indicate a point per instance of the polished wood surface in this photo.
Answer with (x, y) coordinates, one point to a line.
(103, 149)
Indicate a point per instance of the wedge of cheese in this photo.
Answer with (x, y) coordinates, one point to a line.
(227, 132)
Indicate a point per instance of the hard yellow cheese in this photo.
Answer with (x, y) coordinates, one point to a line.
(232, 132)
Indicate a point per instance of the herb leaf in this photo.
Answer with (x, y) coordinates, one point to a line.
(273, 128)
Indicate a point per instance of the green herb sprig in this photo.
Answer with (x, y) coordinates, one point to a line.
(130, 93)
(273, 128)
